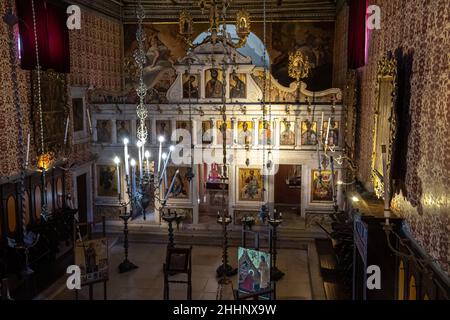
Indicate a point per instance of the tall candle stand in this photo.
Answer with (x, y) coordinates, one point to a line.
(126, 264)
(225, 270)
(274, 222)
(170, 217)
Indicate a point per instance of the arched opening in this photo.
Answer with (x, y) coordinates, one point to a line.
(254, 47)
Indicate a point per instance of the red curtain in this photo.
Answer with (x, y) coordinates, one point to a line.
(52, 34)
(357, 33)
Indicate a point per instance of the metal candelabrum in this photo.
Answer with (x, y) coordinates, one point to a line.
(126, 265)
(275, 273)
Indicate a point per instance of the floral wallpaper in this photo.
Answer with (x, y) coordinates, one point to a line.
(96, 52)
(8, 120)
(420, 28)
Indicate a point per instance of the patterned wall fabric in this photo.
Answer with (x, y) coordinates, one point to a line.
(340, 48)
(8, 120)
(96, 52)
(420, 27)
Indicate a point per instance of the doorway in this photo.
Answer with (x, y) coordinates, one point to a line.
(288, 189)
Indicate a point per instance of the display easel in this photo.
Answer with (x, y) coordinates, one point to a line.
(78, 237)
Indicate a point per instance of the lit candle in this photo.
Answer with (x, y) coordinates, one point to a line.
(28, 151)
(387, 209)
(321, 128)
(328, 131)
(139, 146)
(67, 130)
(143, 151)
(125, 151)
(89, 120)
(117, 162)
(147, 160)
(171, 185)
(133, 175)
(161, 140)
(166, 158)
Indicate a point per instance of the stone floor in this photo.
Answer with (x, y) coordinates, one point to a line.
(146, 282)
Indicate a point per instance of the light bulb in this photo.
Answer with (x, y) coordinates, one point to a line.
(355, 199)
(147, 154)
(161, 139)
(340, 182)
(171, 148)
(133, 162)
(139, 144)
(125, 141)
(116, 160)
(164, 156)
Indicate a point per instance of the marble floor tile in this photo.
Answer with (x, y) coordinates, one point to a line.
(147, 282)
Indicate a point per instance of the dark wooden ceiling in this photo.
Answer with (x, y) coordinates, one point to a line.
(168, 10)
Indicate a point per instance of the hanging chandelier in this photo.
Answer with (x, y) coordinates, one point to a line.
(217, 12)
(141, 90)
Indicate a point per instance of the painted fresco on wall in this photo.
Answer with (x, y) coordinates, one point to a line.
(321, 186)
(104, 131)
(315, 40)
(107, 181)
(162, 49)
(309, 133)
(250, 185)
(191, 86)
(238, 86)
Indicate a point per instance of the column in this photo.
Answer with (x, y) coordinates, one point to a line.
(215, 131)
(234, 131)
(195, 195)
(114, 132)
(255, 132)
(231, 189)
(194, 134)
(152, 133)
(173, 136)
(277, 132)
(298, 133)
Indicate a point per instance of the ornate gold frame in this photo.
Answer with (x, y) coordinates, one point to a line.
(299, 65)
(386, 72)
(54, 90)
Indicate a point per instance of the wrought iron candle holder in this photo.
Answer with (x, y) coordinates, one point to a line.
(126, 265)
(225, 270)
(274, 222)
(170, 217)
